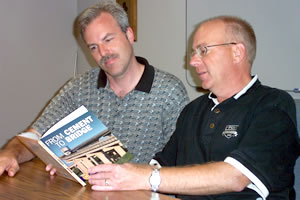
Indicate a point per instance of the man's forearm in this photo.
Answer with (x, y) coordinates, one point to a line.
(18, 150)
(15, 148)
(211, 178)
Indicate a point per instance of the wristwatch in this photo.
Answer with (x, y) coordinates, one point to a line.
(155, 178)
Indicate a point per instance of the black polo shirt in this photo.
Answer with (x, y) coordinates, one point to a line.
(257, 130)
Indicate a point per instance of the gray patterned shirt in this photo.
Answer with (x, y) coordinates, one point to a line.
(143, 120)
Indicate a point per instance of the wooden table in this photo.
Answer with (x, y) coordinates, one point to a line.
(33, 182)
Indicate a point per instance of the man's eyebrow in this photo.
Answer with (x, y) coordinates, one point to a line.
(199, 45)
(104, 38)
(92, 44)
(107, 35)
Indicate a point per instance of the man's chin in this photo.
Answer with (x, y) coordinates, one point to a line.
(205, 86)
(114, 74)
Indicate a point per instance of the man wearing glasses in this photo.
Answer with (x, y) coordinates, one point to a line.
(237, 142)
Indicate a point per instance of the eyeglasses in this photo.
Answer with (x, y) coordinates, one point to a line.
(201, 51)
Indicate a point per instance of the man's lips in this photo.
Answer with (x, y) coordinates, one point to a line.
(201, 73)
(109, 61)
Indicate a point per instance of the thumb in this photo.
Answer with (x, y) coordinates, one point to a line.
(12, 170)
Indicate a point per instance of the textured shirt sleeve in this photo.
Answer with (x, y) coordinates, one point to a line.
(176, 100)
(59, 106)
(168, 156)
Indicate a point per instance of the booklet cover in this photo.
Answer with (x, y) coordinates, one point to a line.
(75, 143)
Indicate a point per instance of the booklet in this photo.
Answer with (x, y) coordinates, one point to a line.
(75, 143)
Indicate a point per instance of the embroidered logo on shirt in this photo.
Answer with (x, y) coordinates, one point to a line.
(230, 131)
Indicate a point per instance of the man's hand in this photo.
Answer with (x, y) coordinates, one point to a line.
(8, 163)
(12, 155)
(50, 169)
(120, 177)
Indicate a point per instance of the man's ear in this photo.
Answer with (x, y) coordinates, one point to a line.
(130, 35)
(239, 52)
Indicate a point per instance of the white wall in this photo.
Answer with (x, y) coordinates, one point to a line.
(162, 36)
(37, 54)
(277, 28)
(165, 25)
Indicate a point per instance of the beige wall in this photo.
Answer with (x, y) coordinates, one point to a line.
(37, 55)
(162, 36)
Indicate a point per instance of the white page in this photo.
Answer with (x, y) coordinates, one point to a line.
(30, 135)
(73, 115)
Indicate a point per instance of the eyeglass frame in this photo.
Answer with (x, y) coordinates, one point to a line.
(205, 48)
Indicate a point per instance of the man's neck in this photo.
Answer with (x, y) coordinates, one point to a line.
(128, 81)
(233, 88)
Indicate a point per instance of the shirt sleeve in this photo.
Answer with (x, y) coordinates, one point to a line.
(58, 107)
(269, 148)
(176, 100)
(168, 156)
(255, 184)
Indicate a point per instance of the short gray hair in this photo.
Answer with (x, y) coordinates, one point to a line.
(107, 6)
(240, 30)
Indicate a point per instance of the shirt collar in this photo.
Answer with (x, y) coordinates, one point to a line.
(238, 95)
(144, 84)
(245, 89)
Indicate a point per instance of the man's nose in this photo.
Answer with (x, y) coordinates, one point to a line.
(102, 49)
(195, 61)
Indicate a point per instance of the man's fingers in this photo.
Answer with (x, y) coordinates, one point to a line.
(53, 171)
(48, 167)
(101, 168)
(101, 188)
(12, 170)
